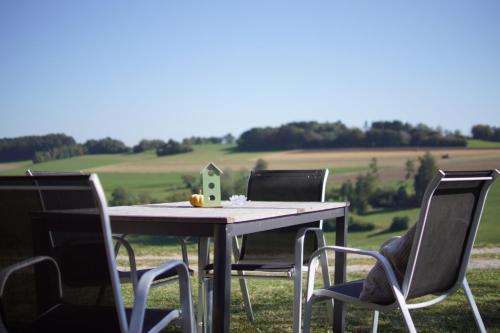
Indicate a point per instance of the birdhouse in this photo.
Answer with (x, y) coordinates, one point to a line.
(211, 185)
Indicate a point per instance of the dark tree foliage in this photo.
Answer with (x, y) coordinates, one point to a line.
(25, 147)
(313, 135)
(261, 164)
(59, 153)
(425, 172)
(486, 132)
(173, 147)
(399, 223)
(106, 146)
(198, 140)
(144, 145)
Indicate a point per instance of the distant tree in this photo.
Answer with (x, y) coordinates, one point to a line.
(198, 140)
(122, 197)
(346, 191)
(59, 153)
(173, 147)
(399, 223)
(233, 182)
(144, 145)
(192, 183)
(426, 170)
(261, 164)
(486, 132)
(106, 146)
(482, 132)
(313, 135)
(25, 147)
(228, 139)
(410, 169)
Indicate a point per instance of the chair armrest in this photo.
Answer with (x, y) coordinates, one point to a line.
(299, 244)
(139, 309)
(6, 272)
(385, 264)
(120, 240)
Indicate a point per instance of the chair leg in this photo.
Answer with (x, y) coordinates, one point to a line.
(407, 316)
(326, 281)
(472, 304)
(297, 300)
(208, 305)
(308, 314)
(375, 321)
(243, 282)
(246, 297)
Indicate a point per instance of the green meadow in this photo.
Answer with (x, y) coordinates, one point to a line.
(161, 176)
(272, 300)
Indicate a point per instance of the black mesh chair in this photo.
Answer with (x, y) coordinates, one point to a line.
(437, 257)
(281, 253)
(85, 199)
(58, 269)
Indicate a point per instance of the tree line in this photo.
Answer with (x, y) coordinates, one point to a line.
(43, 148)
(313, 135)
(295, 135)
(486, 132)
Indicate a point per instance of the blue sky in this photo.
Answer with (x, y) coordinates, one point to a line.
(172, 69)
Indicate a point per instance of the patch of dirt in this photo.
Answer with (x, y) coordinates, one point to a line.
(11, 166)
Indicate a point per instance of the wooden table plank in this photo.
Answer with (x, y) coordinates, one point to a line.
(250, 211)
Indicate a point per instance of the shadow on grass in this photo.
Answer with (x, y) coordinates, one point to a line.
(383, 232)
(385, 210)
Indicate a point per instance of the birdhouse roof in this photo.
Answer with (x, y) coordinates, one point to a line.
(213, 167)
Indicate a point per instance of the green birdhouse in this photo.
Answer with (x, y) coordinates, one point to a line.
(211, 185)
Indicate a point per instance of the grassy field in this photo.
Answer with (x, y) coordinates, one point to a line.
(146, 173)
(472, 143)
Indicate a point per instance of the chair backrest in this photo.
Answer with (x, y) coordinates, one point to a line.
(445, 232)
(84, 253)
(282, 185)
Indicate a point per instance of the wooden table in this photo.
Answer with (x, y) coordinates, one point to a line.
(180, 219)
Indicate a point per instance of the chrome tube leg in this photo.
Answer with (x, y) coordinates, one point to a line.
(243, 282)
(307, 315)
(246, 297)
(297, 300)
(375, 321)
(473, 305)
(406, 313)
(203, 254)
(326, 281)
(207, 311)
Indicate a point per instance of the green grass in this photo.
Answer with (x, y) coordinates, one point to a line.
(474, 143)
(86, 162)
(272, 305)
(156, 184)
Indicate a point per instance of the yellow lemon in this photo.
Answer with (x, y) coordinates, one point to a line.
(197, 200)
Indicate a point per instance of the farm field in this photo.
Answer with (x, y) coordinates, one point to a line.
(146, 173)
(159, 176)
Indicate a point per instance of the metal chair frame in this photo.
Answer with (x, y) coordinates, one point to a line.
(402, 292)
(143, 286)
(131, 276)
(295, 273)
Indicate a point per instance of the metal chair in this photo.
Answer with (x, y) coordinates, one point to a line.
(438, 254)
(85, 199)
(58, 268)
(282, 253)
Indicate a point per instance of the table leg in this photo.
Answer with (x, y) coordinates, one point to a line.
(339, 312)
(222, 279)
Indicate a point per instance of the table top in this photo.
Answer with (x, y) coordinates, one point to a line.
(228, 213)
